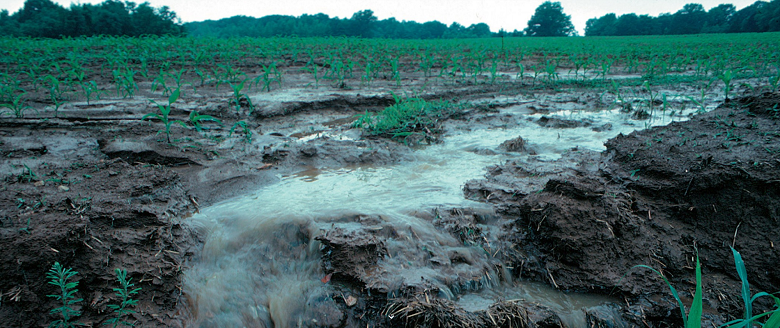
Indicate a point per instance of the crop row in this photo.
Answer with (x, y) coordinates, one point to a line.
(50, 72)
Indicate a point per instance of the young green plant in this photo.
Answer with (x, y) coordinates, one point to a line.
(197, 119)
(165, 110)
(749, 319)
(17, 106)
(125, 294)
(60, 277)
(244, 129)
(693, 318)
(238, 95)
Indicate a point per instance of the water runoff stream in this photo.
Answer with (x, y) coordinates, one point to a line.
(261, 267)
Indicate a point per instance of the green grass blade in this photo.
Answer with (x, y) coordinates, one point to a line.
(694, 316)
(671, 288)
(742, 272)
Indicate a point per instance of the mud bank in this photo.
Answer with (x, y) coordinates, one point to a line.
(99, 189)
(653, 197)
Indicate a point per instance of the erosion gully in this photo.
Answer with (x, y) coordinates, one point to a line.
(260, 262)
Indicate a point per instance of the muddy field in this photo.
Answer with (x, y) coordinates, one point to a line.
(98, 188)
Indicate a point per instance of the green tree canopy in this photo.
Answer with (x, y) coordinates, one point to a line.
(761, 16)
(362, 23)
(44, 18)
(549, 20)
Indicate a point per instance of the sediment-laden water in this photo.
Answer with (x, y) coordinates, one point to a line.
(260, 265)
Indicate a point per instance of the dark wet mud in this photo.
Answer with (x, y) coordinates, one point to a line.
(654, 197)
(103, 191)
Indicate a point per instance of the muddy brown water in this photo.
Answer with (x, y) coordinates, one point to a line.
(261, 264)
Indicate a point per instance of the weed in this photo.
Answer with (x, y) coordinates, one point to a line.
(125, 293)
(407, 117)
(59, 277)
(364, 121)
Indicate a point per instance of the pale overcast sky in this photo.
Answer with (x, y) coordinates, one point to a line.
(506, 14)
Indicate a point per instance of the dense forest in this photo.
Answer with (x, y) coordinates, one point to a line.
(362, 24)
(761, 16)
(44, 18)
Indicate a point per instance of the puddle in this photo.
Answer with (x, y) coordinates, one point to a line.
(261, 265)
(569, 306)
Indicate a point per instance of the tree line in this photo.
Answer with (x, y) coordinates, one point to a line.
(761, 16)
(361, 24)
(46, 19)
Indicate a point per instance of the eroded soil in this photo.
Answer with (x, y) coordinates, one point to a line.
(98, 189)
(653, 197)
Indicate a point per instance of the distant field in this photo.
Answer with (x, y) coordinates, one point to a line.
(40, 72)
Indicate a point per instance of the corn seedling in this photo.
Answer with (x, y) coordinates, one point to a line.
(652, 96)
(55, 93)
(202, 75)
(493, 71)
(749, 320)
(550, 71)
(17, 106)
(693, 318)
(774, 81)
(165, 110)
(244, 129)
(337, 71)
(177, 78)
(368, 71)
(237, 95)
(726, 77)
(426, 63)
(270, 75)
(90, 88)
(396, 72)
(125, 82)
(626, 106)
(196, 120)
(160, 81)
(59, 277)
(125, 293)
(313, 68)
(231, 74)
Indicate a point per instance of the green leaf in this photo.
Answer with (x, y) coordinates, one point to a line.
(671, 288)
(774, 320)
(694, 316)
(742, 272)
(174, 96)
